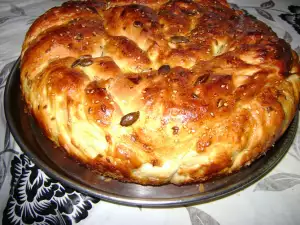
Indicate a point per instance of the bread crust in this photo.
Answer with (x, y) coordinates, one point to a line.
(157, 92)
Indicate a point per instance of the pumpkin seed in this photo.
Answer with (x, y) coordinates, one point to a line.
(194, 96)
(137, 24)
(201, 79)
(175, 130)
(164, 69)
(189, 12)
(85, 60)
(178, 39)
(75, 63)
(129, 119)
(135, 80)
(92, 9)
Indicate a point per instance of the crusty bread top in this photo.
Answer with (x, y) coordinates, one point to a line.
(159, 91)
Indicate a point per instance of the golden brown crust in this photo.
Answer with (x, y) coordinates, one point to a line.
(154, 92)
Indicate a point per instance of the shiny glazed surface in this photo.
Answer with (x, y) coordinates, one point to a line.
(158, 92)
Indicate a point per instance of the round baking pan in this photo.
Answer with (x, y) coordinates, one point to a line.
(58, 165)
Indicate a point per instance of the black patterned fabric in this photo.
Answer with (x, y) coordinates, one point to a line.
(292, 18)
(36, 198)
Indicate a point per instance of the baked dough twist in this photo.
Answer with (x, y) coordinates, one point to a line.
(157, 92)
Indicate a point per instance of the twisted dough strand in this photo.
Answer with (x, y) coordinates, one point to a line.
(203, 89)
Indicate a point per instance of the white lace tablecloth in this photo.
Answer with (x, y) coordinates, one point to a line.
(28, 196)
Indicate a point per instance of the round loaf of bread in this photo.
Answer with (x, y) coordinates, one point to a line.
(157, 92)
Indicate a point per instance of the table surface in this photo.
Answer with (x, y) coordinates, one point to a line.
(29, 196)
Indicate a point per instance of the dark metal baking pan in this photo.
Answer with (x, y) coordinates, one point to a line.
(56, 164)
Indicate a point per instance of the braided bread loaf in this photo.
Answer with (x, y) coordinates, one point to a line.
(158, 92)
